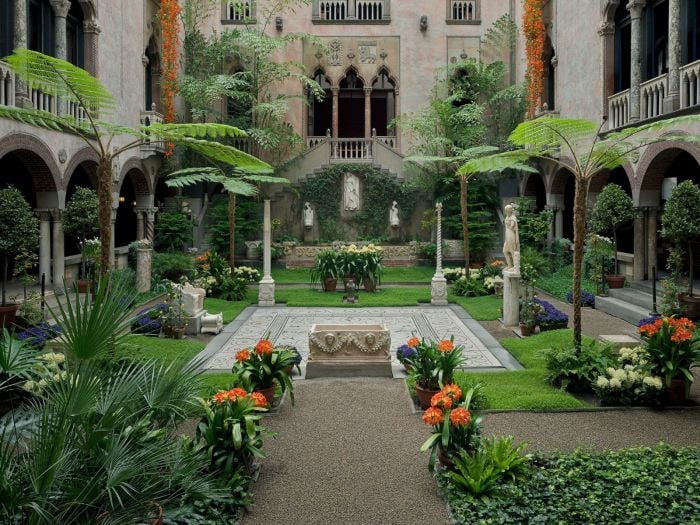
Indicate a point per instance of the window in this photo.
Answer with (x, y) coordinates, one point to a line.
(693, 31)
(369, 10)
(351, 11)
(383, 103)
(320, 111)
(75, 39)
(351, 106)
(656, 46)
(7, 28)
(238, 11)
(623, 48)
(40, 33)
(463, 11)
(334, 10)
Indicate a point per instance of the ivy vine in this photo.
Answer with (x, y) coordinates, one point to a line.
(379, 190)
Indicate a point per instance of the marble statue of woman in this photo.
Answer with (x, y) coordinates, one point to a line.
(308, 215)
(352, 192)
(511, 245)
(394, 220)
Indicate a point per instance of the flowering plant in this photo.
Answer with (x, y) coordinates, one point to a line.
(150, 320)
(264, 365)
(363, 263)
(37, 335)
(247, 273)
(454, 426)
(452, 274)
(405, 353)
(631, 383)
(530, 309)
(49, 368)
(550, 318)
(434, 362)
(587, 298)
(673, 347)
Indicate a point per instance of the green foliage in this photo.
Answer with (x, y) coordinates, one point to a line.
(592, 487)
(264, 369)
(433, 368)
(673, 285)
(326, 265)
(533, 265)
(233, 289)
(680, 220)
(16, 360)
(80, 216)
(171, 266)
(533, 226)
(173, 231)
(575, 371)
(559, 283)
(612, 208)
(248, 223)
(469, 287)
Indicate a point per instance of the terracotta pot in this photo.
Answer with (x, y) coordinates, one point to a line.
(330, 284)
(268, 392)
(178, 332)
(677, 393)
(615, 281)
(424, 396)
(690, 305)
(370, 285)
(8, 314)
(289, 370)
(83, 285)
(527, 330)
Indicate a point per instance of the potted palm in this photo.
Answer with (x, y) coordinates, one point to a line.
(612, 209)
(80, 221)
(326, 270)
(19, 231)
(680, 224)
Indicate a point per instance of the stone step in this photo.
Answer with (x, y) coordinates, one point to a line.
(633, 296)
(631, 313)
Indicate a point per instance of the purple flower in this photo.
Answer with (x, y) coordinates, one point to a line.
(404, 353)
(37, 336)
(550, 315)
(587, 298)
(648, 320)
(148, 320)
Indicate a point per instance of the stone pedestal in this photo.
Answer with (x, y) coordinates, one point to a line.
(511, 298)
(438, 291)
(194, 323)
(143, 269)
(266, 292)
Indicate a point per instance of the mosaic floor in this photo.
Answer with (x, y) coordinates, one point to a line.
(291, 326)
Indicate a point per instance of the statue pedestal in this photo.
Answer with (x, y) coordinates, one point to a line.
(438, 291)
(511, 298)
(266, 293)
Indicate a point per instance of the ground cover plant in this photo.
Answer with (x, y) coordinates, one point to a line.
(643, 485)
(558, 284)
(486, 308)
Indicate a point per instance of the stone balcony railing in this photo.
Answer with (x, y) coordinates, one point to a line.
(351, 11)
(153, 144)
(351, 149)
(42, 101)
(619, 109)
(690, 85)
(7, 85)
(652, 95)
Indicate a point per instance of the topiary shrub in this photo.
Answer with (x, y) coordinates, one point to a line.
(612, 208)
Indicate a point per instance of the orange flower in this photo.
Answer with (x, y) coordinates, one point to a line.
(236, 393)
(413, 342)
(453, 391)
(446, 345)
(220, 397)
(259, 399)
(460, 417)
(264, 347)
(243, 355)
(441, 400)
(433, 416)
(681, 334)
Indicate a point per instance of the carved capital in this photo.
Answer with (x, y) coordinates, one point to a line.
(606, 28)
(60, 7)
(635, 7)
(44, 215)
(57, 214)
(91, 26)
(367, 90)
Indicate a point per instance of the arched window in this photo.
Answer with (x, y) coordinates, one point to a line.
(656, 46)
(152, 87)
(351, 106)
(40, 30)
(333, 10)
(369, 9)
(75, 38)
(7, 28)
(623, 48)
(320, 111)
(383, 103)
(463, 9)
(693, 32)
(239, 10)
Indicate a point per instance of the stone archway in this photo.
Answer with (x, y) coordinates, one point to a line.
(533, 186)
(562, 187)
(134, 212)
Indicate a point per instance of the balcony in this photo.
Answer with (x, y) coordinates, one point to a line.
(351, 12)
(463, 12)
(153, 144)
(690, 85)
(652, 95)
(7, 85)
(619, 109)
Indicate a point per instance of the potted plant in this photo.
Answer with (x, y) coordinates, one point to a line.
(19, 230)
(529, 310)
(348, 262)
(264, 367)
(680, 224)
(369, 266)
(326, 270)
(550, 318)
(174, 324)
(404, 354)
(673, 346)
(80, 221)
(433, 366)
(612, 208)
(600, 256)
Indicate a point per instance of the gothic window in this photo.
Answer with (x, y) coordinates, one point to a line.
(351, 106)
(383, 103)
(75, 39)
(7, 28)
(238, 10)
(369, 9)
(40, 31)
(463, 11)
(320, 111)
(623, 48)
(152, 87)
(692, 19)
(656, 45)
(333, 10)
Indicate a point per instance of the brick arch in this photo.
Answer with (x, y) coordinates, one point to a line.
(141, 181)
(601, 179)
(87, 155)
(651, 168)
(557, 184)
(37, 157)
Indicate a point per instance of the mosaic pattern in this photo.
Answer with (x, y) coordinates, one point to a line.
(291, 326)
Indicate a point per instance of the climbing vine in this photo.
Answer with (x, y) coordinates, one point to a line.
(379, 189)
(534, 31)
(169, 13)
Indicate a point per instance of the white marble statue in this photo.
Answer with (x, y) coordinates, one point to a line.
(394, 220)
(352, 192)
(511, 245)
(308, 215)
(192, 299)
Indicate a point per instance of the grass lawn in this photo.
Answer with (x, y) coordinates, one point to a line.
(383, 297)
(143, 347)
(485, 308)
(558, 283)
(413, 274)
(230, 309)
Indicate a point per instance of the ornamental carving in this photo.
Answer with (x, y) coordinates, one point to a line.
(368, 53)
(358, 342)
(336, 47)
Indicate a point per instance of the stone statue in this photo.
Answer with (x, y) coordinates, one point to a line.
(394, 220)
(308, 216)
(352, 192)
(511, 245)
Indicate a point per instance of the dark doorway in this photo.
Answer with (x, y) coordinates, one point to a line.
(351, 107)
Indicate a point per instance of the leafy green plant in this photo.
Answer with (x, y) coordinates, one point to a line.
(326, 266)
(171, 266)
(612, 208)
(533, 226)
(233, 289)
(435, 362)
(673, 346)
(507, 456)
(469, 287)
(80, 221)
(248, 223)
(265, 366)
(576, 371)
(16, 360)
(173, 231)
(529, 310)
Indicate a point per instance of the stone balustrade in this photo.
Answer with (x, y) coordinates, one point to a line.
(244, 144)
(351, 149)
(154, 144)
(42, 101)
(619, 109)
(312, 142)
(387, 141)
(690, 84)
(7, 85)
(653, 93)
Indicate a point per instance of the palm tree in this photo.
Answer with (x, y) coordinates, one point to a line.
(72, 84)
(578, 145)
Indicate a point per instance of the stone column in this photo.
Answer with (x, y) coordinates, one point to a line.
(140, 231)
(438, 286)
(58, 249)
(266, 289)
(639, 261)
(150, 223)
(672, 101)
(60, 11)
(44, 244)
(92, 30)
(368, 112)
(606, 31)
(511, 298)
(21, 93)
(636, 7)
(334, 131)
(652, 231)
(559, 222)
(143, 269)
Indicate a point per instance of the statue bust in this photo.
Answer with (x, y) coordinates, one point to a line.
(308, 215)
(394, 220)
(511, 245)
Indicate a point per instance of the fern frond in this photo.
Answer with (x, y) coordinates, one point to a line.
(265, 179)
(508, 160)
(225, 154)
(190, 176)
(239, 187)
(174, 132)
(42, 119)
(547, 133)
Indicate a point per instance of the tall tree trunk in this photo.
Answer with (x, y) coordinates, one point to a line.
(104, 195)
(579, 240)
(463, 199)
(232, 229)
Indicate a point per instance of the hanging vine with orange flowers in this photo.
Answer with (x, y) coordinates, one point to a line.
(535, 34)
(169, 13)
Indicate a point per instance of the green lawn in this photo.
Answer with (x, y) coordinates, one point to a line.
(230, 309)
(558, 283)
(413, 274)
(143, 347)
(383, 297)
(486, 308)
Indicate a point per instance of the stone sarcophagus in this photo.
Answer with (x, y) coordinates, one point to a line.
(339, 350)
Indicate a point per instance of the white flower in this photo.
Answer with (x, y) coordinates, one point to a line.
(633, 376)
(653, 382)
(610, 371)
(615, 383)
(602, 382)
(620, 375)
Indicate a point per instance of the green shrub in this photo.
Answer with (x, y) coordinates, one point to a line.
(248, 223)
(468, 287)
(576, 371)
(173, 231)
(233, 289)
(171, 266)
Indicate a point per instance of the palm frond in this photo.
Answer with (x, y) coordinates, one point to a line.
(189, 176)
(43, 119)
(239, 187)
(174, 132)
(225, 154)
(508, 160)
(547, 133)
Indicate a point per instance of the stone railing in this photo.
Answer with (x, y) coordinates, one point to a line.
(77, 112)
(351, 149)
(153, 144)
(312, 142)
(42, 101)
(690, 85)
(619, 109)
(7, 85)
(388, 141)
(652, 94)
(352, 11)
(244, 144)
